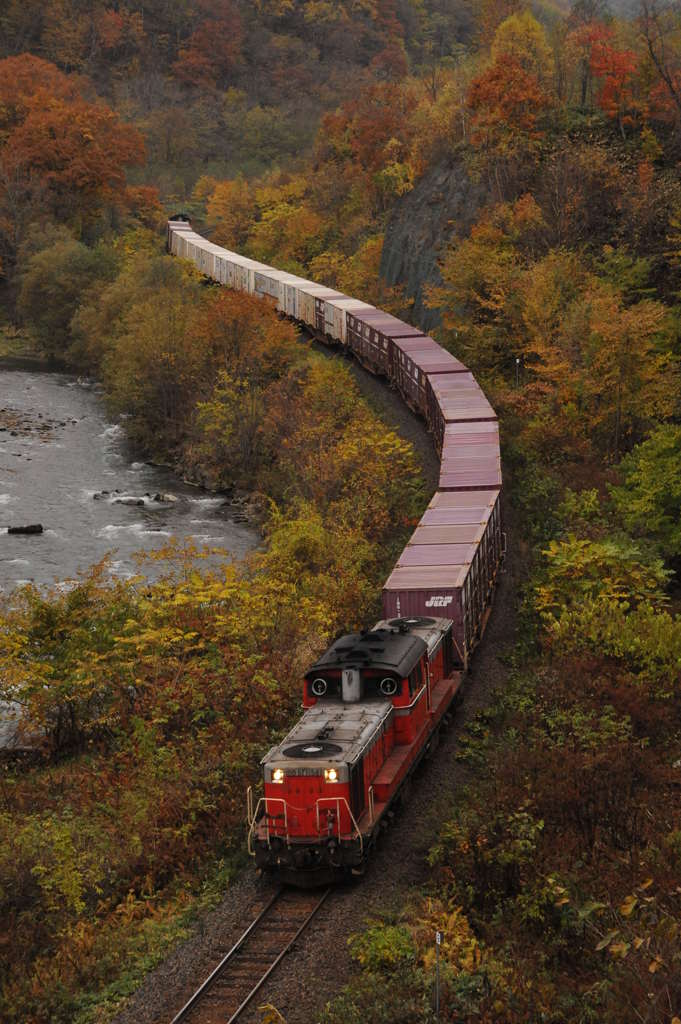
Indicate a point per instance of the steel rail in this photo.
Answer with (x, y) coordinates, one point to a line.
(203, 988)
(195, 999)
(284, 951)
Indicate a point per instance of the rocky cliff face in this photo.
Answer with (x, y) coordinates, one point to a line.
(442, 205)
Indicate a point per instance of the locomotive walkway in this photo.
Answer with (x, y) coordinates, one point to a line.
(230, 987)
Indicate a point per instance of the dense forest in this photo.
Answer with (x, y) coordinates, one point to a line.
(297, 131)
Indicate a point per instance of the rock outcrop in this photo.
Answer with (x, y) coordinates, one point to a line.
(443, 204)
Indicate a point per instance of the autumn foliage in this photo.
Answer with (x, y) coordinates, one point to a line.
(507, 101)
(61, 155)
(301, 134)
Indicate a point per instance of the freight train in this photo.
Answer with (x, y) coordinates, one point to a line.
(376, 700)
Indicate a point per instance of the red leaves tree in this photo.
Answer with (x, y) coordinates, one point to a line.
(214, 48)
(507, 101)
(660, 28)
(365, 126)
(391, 60)
(600, 61)
(22, 79)
(615, 70)
(490, 14)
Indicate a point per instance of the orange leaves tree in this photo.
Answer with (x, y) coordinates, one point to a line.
(597, 367)
(79, 152)
(230, 212)
(507, 101)
(60, 154)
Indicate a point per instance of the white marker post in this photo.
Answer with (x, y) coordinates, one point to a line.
(438, 942)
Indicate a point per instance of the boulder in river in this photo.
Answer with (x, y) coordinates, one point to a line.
(33, 528)
(138, 502)
(165, 497)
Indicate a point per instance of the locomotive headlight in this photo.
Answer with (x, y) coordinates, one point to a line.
(278, 775)
(331, 775)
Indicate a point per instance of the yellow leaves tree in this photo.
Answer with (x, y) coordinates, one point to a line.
(521, 37)
(481, 276)
(596, 367)
(360, 275)
(230, 210)
(615, 572)
(287, 233)
(151, 370)
(328, 448)
(633, 381)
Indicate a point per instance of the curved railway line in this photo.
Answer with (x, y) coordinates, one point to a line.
(443, 582)
(231, 986)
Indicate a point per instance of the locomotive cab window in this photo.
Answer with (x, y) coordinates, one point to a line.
(415, 679)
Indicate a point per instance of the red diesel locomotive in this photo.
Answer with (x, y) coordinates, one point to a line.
(374, 702)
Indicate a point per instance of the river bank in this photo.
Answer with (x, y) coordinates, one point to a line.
(66, 465)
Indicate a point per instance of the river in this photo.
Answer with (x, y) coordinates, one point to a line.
(58, 448)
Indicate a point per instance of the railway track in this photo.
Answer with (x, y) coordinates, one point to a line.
(231, 986)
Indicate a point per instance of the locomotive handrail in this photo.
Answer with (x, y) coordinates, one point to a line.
(371, 804)
(417, 698)
(264, 800)
(337, 800)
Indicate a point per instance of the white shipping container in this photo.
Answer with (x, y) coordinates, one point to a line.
(214, 253)
(267, 283)
(241, 277)
(307, 293)
(204, 258)
(176, 228)
(230, 271)
(291, 297)
(274, 283)
(221, 268)
(335, 310)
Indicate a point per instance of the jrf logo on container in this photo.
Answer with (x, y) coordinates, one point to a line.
(439, 601)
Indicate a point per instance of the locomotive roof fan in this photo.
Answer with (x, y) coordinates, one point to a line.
(313, 748)
(416, 622)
